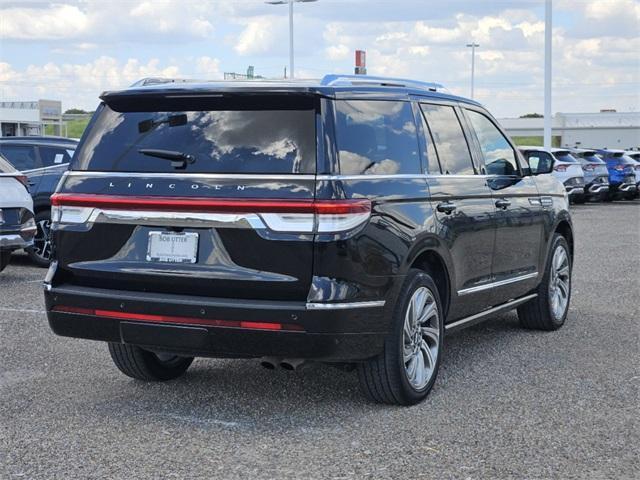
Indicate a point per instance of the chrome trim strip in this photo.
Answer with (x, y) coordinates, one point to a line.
(190, 176)
(263, 176)
(372, 177)
(478, 317)
(44, 169)
(176, 219)
(344, 306)
(487, 286)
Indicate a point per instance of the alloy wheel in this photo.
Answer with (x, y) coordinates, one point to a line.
(421, 338)
(42, 239)
(559, 282)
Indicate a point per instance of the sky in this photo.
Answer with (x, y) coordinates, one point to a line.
(72, 50)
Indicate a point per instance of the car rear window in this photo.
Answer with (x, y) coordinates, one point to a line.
(220, 139)
(565, 157)
(5, 166)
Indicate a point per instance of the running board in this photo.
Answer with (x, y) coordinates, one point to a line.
(479, 317)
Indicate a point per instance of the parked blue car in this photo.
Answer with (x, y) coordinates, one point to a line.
(622, 178)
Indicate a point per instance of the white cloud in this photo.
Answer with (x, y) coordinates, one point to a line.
(257, 37)
(57, 22)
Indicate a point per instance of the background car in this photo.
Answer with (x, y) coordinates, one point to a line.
(43, 160)
(622, 174)
(596, 175)
(564, 167)
(17, 226)
(635, 156)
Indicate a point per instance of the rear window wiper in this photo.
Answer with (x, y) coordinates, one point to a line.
(177, 159)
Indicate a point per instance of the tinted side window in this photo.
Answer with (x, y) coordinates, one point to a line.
(539, 161)
(450, 143)
(54, 156)
(499, 156)
(22, 157)
(376, 137)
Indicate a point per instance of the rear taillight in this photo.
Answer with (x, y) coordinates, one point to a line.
(280, 215)
(23, 180)
(560, 168)
(619, 168)
(589, 167)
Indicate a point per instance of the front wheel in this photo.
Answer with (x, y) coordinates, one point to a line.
(404, 373)
(141, 364)
(548, 311)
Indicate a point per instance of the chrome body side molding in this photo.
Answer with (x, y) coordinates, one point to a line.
(479, 317)
(488, 286)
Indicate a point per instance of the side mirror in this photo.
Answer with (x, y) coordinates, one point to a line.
(540, 166)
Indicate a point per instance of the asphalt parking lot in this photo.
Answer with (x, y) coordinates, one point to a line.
(508, 403)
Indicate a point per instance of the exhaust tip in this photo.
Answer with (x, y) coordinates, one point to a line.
(287, 366)
(268, 364)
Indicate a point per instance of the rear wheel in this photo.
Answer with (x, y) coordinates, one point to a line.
(141, 364)
(404, 373)
(40, 252)
(4, 260)
(548, 311)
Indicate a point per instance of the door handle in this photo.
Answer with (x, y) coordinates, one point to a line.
(503, 203)
(446, 207)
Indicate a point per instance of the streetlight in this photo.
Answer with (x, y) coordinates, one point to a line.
(290, 2)
(548, 25)
(473, 46)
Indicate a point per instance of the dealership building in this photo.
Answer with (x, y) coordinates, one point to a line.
(606, 129)
(30, 118)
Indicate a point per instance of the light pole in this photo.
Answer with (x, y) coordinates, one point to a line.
(290, 2)
(473, 46)
(548, 24)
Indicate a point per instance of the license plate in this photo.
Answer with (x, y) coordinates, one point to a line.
(172, 247)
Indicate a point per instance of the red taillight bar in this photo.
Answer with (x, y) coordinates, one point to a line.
(146, 317)
(212, 205)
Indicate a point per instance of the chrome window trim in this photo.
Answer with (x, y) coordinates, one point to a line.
(344, 306)
(263, 176)
(191, 176)
(487, 286)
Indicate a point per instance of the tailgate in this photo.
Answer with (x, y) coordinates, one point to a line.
(209, 196)
(224, 244)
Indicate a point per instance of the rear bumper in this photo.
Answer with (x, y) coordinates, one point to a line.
(598, 188)
(14, 241)
(575, 191)
(191, 325)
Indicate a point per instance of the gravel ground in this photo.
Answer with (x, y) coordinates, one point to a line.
(508, 403)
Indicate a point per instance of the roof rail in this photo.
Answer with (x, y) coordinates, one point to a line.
(334, 80)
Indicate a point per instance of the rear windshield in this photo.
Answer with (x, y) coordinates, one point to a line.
(5, 166)
(218, 141)
(565, 157)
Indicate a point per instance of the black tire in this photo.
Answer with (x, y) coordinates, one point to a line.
(537, 313)
(40, 252)
(384, 379)
(5, 258)
(141, 364)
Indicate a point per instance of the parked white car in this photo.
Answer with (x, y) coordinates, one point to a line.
(566, 168)
(17, 225)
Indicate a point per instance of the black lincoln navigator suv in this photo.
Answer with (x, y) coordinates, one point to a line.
(352, 220)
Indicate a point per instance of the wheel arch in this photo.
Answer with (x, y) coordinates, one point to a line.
(432, 261)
